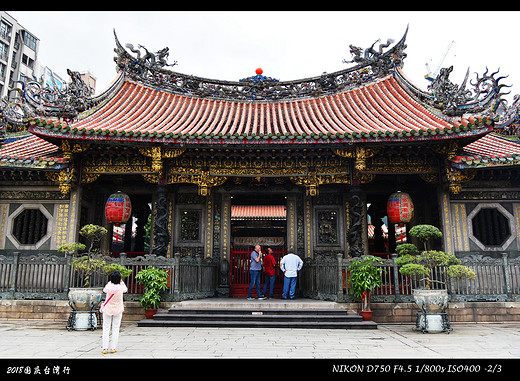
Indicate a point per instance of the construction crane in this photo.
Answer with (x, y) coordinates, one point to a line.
(432, 75)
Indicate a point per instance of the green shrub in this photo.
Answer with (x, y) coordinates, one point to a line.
(154, 281)
(365, 275)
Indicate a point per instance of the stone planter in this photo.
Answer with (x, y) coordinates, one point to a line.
(433, 305)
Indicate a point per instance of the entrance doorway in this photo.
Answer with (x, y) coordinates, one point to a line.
(256, 219)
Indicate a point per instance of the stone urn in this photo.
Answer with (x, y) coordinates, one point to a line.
(85, 306)
(433, 305)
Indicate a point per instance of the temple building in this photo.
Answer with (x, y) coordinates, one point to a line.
(214, 167)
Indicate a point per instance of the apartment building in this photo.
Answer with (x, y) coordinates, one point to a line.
(18, 53)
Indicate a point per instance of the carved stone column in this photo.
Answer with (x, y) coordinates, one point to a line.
(208, 233)
(291, 223)
(446, 221)
(356, 226)
(161, 231)
(308, 226)
(224, 288)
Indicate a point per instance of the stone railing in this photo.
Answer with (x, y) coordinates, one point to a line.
(326, 277)
(497, 280)
(47, 276)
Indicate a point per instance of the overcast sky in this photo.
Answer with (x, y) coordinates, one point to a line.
(287, 45)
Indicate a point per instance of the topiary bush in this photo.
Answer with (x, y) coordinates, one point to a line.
(420, 264)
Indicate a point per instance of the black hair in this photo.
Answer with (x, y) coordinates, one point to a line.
(115, 277)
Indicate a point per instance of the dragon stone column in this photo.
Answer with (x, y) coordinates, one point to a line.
(161, 232)
(356, 226)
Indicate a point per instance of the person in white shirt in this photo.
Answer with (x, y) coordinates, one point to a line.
(290, 265)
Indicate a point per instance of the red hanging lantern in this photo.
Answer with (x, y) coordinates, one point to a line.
(118, 208)
(399, 208)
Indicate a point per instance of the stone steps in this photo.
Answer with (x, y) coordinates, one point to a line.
(258, 314)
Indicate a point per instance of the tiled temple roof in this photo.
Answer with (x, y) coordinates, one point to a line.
(31, 152)
(491, 150)
(258, 212)
(372, 102)
(378, 111)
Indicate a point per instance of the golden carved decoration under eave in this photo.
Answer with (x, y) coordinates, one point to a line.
(402, 168)
(360, 154)
(366, 162)
(204, 180)
(251, 166)
(117, 165)
(365, 178)
(404, 164)
(68, 148)
(64, 178)
(151, 177)
(448, 150)
(171, 153)
(87, 178)
(432, 178)
(158, 153)
(269, 170)
(455, 178)
(247, 171)
(313, 180)
(349, 153)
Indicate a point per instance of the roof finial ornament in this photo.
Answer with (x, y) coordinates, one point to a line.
(381, 62)
(455, 100)
(140, 65)
(447, 95)
(509, 120)
(370, 54)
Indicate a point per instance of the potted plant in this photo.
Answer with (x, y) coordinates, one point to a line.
(154, 281)
(85, 300)
(433, 302)
(365, 275)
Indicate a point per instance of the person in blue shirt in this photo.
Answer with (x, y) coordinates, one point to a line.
(290, 265)
(254, 271)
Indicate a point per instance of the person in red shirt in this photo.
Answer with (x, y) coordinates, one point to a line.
(270, 272)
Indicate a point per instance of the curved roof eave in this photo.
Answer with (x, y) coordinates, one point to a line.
(377, 112)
